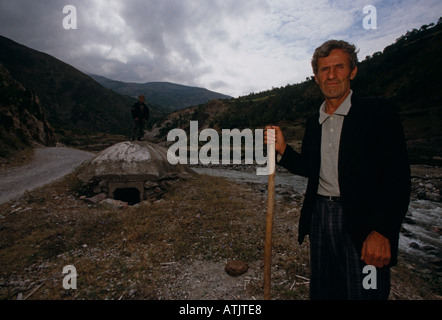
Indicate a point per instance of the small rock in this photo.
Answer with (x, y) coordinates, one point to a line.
(432, 196)
(102, 184)
(429, 186)
(236, 268)
(97, 198)
(115, 203)
(414, 245)
(132, 292)
(150, 184)
(421, 194)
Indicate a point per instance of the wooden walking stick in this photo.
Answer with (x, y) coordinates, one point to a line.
(269, 217)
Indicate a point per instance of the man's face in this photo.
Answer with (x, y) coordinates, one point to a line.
(334, 74)
(141, 99)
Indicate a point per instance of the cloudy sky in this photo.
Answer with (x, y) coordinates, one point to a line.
(231, 46)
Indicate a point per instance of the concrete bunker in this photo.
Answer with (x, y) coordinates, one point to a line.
(130, 172)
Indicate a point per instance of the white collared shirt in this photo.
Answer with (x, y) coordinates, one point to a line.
(331, 135)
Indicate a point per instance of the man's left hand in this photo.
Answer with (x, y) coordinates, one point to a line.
(376, 250)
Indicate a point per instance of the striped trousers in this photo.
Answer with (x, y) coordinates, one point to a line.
(336, 266)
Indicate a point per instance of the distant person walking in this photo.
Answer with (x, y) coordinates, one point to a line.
(140, 114)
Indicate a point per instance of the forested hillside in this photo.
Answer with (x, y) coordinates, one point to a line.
(405, 72)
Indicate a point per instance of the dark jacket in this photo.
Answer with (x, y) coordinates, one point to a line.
(140, 111)
(373, 166)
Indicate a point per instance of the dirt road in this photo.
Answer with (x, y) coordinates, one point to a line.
(48, 165)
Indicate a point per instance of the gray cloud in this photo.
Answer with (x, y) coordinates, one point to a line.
(231, 46)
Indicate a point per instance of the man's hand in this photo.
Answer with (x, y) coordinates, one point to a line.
(376, 250)
(278, 138)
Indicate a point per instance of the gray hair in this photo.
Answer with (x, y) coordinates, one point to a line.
(324, 50)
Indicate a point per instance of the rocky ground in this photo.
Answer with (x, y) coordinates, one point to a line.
(426, 182)
(174, 248)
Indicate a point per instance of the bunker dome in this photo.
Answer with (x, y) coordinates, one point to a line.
(130, 172)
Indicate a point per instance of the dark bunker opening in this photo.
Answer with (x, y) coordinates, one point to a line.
(129, 195)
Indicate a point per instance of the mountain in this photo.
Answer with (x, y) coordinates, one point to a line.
(72, 100)
(406, 72)
(22, 119)
(75, 103)
(169, 96)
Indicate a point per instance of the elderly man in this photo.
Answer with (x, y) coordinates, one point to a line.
(358, 191)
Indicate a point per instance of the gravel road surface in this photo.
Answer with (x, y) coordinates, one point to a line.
(48, 165)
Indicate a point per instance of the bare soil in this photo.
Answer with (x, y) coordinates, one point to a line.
(174, 248)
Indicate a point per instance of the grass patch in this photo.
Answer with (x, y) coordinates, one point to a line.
(163, 250)
(206, 217)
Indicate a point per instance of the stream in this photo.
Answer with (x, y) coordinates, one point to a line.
(420, 239)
